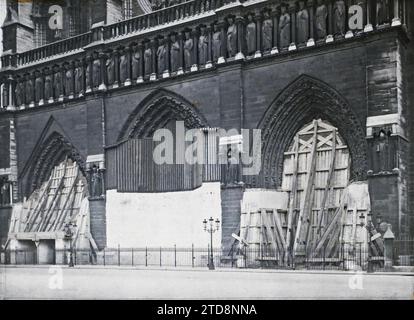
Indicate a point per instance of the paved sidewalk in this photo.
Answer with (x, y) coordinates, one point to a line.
(200, 269)
(96, 282)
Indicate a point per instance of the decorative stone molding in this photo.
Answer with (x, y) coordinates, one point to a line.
(156, 110)
(391, 121)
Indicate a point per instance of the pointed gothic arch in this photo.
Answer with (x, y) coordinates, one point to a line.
(299, 103)
(156, 110)
(52, 151)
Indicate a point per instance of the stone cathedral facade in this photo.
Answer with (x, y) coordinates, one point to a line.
(85, 85)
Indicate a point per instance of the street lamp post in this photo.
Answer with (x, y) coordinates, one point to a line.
(211, 228)
(69, 233)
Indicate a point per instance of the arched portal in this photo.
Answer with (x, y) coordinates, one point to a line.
(130, 163)
(56, 198)
(302, 101)
(52, 151)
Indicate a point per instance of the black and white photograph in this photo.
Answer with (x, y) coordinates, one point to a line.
(206, 150)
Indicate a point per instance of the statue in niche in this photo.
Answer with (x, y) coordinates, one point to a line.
(57, 84)
(88, 79)
(96, 182)
(203, 46)
(110, 69)
(148, 59)
(38, 87)
(321, 15)
(382, 12)
(267, 31)
(175, 53)
(302, 23)
(48, 86)
(188, 50)
(216, 42)
(251, 35)
(29, 90)
(339, 16)
(231, 38)
(5, 186)
(96, 73)
(284, 26)
(19, 91)
(123, 67)
(232, 166)
(78, 78)
(11, 14)
(162, 57)
(69, 81)
(382, 151)
(6, 94)
(136, 62)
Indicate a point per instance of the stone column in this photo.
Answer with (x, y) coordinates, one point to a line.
(60, 73)
(241, 40)
(396, 21)
(102, 57)
(311, 11)
(258, 53)
(88, 74)
(167, 71)
(11, 87)
(209, 33)
(292, 12)
(115, 54)
(181, 56)
(275, 19)
(39, 88)
(128, 81)
(195, 35)
(6, 93)
(30, 90)
(222, 26)
(330, 37)
(141, 74)
(153, 46)
(368, 8)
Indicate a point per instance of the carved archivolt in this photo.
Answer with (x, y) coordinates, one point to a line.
(305, 99)
(52, 151)
(156, 111)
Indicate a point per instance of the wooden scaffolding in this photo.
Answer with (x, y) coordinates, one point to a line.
(60, 200)
(325, 214)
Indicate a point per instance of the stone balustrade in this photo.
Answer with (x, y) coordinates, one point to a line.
(180, 39)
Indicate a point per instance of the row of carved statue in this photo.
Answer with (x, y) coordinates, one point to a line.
(232, 38)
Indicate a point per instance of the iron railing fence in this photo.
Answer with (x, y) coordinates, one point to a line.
(193, 257)
(403, 253)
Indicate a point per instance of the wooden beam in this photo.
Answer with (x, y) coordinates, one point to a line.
(279, 230)
(328, 185)
(60, 214)
(329, 230)
(273, 240)
(55, 199)
(292, 199)
(39, 207)
(303, 221)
